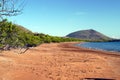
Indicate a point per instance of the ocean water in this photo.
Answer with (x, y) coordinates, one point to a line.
(108, 46)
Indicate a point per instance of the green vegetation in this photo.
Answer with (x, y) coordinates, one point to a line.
(48, 39)
(14, 36)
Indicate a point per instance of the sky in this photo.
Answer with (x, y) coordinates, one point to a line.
(61, 17)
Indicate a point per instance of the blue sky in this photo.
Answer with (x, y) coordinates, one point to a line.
(60, 17)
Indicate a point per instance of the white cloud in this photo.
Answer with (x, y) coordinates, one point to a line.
(116, 37)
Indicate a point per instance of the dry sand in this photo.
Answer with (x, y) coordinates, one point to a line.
(59, 61)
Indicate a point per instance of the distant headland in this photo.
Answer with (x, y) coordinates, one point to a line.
(91, 35)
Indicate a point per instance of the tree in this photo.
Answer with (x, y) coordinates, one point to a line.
(8, 31)
(11, 7)
(8, 34)
(14, 36)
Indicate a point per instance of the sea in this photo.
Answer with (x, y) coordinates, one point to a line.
(107, 46)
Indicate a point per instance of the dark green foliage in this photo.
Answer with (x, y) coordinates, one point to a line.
(54, 39)
(7, 33)
(14, 36)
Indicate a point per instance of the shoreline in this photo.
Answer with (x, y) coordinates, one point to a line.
(98, 49)
(59, 61)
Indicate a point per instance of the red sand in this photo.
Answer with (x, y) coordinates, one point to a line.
(59, 61)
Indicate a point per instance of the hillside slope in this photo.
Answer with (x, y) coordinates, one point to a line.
(89, 35)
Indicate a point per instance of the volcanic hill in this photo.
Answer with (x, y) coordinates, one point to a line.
(89, 34)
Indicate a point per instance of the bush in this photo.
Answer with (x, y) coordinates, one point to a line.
(14, 36)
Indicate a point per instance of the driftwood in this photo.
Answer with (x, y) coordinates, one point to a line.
(25, 48)
(4, 48)
(22, 50)
(19, 49)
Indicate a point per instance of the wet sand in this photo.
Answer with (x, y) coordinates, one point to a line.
(59, 61)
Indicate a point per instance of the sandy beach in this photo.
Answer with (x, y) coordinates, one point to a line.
(59, 61)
